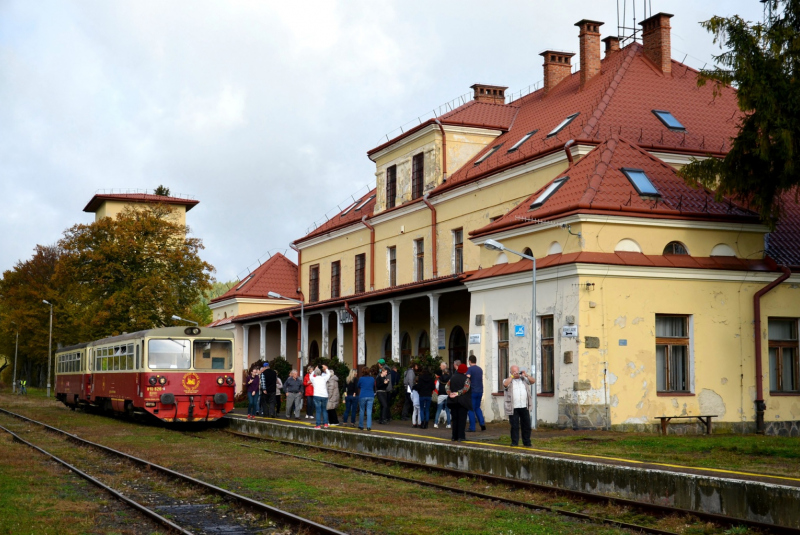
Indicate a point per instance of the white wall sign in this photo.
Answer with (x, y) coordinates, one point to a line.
(344, 316)
(569, 331)
(474, 338)
(442, 344)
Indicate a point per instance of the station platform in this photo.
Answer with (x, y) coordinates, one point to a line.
(759, 497)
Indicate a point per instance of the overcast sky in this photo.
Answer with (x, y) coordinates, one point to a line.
(263, 111)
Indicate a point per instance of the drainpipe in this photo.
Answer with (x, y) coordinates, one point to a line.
(371, 253)
(433, 235)
(444, 152)
(355, 334)
(760, 405)
(567, 145)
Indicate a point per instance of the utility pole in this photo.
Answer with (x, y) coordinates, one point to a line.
(49, 346)
(16, 348)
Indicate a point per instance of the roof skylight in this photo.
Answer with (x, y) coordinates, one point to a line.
(562, 124)
(245, 281)
(365, 201)
(552, 188)
(641, 182)
(348, 209)
(522, 140)
(669, 120)
(492, 151)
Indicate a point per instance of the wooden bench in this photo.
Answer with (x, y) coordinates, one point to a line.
(704, 419)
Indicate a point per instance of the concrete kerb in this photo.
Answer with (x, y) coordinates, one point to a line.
(751, 500)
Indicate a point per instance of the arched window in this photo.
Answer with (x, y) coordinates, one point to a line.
(387, 347)
(501, 259)
(722, 249)
(405, 350)
(335, 348)
(627, 246)
(424, 343)
(555, 248)
(226, 315)
(313, 351)
(527, 251)
(457, 346)
(675, 248)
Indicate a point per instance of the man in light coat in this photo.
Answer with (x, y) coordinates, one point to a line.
(517, 403)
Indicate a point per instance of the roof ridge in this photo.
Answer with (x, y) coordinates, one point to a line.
(600, 169)
(612, 87)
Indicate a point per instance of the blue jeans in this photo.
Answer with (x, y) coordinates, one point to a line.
(476, 411)
(252, 403)
(321, 410)
(442, 406)
(350, 408)
(424, 410)
(365, 404)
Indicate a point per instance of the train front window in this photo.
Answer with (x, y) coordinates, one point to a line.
(168, 354)
(213, 355)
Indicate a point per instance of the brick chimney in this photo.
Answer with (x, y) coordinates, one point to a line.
(493, 94)
(656, 41)
(612, 44)
(589, 39)
(557, 66)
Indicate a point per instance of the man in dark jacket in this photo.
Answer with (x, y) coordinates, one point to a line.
(459, 401)
(408, 384)
(475, 374)
(294, 395)
(269, 383)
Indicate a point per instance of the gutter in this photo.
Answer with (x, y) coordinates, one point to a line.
(433, 235)
(371, 253)
(355, 334)
(760, 405)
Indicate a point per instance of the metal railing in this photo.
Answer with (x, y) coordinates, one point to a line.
(140, 191)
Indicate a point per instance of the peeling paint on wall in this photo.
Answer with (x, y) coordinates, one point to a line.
(637, 320)
(621, 321)
(711, 403)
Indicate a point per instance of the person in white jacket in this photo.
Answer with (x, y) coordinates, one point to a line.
(319, 380)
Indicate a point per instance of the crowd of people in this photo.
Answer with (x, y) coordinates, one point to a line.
(458, 396)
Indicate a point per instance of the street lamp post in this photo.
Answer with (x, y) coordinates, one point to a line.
(497, 246)
(276, 295)
(16, 348)
(49, 345)
(178, 318)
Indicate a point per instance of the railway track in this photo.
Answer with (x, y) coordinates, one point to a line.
(189, 512)
(660, 510)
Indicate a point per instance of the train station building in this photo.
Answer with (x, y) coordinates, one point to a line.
(653, 297)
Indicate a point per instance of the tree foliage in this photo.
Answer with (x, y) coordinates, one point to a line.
(162, 191)
(117, 275)
(762, 60)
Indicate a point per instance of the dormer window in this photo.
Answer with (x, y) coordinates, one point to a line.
(489, 153)
(562, 124)
(522, 140)
(669, 120)
(552, 188)
(641, 182)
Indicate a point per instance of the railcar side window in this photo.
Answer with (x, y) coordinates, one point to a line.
(168, 354)
(213, 355)
(137, 356)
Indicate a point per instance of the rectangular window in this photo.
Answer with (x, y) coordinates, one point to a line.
(169, 354)
(361, 262)
(313, 283)
(391, 186)
(213, 355)
(784, 365)
(392, 252)
(336, 279)
(458, 251)
(417, 178)
(547, 350)
(672, 353)
(419, 259)
(502, 353)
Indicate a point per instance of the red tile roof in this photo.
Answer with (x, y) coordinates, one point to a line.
(783, 245)
(473, 113)
(620, 100)
(596, 184)
(626, 259)
(100, 198)
(352, 214)
(278, 274)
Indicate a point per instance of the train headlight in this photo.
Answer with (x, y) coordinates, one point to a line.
(153, 381)
(229, 380)
(162, 380)
(220, 380)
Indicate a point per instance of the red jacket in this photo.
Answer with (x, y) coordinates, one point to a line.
(308, 385)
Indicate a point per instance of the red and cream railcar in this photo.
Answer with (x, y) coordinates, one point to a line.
(176, 374)
(73, 379)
